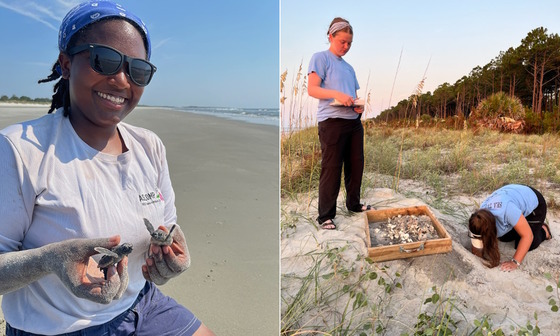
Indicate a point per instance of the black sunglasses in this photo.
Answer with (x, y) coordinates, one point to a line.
(108, 61)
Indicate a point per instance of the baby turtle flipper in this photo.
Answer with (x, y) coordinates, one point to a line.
(106, 260)
(105, 252)
(113, 256)
(149, 226)
(171, 231)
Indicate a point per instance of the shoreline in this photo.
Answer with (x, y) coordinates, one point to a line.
(248, 118)
(14, 104)
(225, 176)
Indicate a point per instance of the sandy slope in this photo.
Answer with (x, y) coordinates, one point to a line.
(508, 298)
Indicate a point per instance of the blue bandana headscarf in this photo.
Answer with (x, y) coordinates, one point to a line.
(89, 12)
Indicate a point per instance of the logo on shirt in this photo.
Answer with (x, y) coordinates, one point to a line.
(151, 197)
(494, 205)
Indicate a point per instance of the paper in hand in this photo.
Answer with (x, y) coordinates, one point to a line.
(359, 102)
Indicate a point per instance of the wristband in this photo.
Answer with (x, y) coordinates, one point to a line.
(516, 262)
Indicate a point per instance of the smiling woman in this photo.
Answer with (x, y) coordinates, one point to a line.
(73, 182)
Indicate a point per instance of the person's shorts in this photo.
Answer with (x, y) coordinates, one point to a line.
(539, 214)
(153, 313)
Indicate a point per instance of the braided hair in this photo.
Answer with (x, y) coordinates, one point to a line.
(61, 96)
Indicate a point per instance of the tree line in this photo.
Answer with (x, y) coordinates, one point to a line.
(530, 72)
(24, 99)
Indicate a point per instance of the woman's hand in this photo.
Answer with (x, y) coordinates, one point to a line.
(166, 262)
(508, 266)
(71, 261)
(315, 90)
(344, 99)
(359, 109)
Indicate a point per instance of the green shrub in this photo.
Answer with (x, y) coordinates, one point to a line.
(499, 105)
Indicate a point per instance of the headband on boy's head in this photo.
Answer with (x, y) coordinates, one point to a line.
(338, 26)
(89, 12)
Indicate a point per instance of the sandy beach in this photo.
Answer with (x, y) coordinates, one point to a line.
(471, 291)
(225, 176)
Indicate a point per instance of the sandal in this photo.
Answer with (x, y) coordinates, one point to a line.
(328, 225)
(547, 231)
(362, 208)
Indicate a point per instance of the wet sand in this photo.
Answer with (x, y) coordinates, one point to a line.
(225, 176)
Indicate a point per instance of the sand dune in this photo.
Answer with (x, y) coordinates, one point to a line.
(508, 299)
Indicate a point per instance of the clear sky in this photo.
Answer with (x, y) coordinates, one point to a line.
(449, 38)
(208, 53)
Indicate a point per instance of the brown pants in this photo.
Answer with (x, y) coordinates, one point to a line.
(342, 144)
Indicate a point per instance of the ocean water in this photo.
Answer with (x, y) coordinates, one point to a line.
(263, 116)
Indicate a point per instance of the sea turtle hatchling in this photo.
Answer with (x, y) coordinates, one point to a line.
(159, 237)
(112, 256)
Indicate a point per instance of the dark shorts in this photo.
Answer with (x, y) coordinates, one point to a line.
(153, 313)
(539, 214)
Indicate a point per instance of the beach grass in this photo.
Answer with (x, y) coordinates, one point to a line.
(449, 161)
(334, 293)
